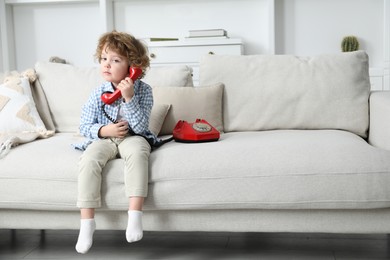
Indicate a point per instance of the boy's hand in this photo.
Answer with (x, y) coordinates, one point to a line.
(118, 130)
(126, 87)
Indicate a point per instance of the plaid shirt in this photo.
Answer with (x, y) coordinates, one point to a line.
(136, 113)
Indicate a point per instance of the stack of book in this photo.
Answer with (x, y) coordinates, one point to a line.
(159, 39)
(207, 34)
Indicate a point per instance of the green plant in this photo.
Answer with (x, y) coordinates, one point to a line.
(349, 43)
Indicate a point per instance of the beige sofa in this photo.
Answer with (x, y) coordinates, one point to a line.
(305, 147)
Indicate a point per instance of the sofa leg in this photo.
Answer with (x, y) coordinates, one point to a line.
(388, 244)
(13, 237)
(42, 238)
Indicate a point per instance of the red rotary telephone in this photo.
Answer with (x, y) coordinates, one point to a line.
(199, 131)
(110, 97)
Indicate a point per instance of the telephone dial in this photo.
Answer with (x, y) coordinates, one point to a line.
(110, 97)
(199, 131)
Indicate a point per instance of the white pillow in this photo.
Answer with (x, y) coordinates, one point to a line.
(189, 104)
(19, 118)
(17, 108)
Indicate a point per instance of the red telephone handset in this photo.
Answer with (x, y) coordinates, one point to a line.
(109, 98)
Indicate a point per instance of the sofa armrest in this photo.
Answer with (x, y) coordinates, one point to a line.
(379, 133)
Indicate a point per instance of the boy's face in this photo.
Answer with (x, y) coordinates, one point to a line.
(114, 67)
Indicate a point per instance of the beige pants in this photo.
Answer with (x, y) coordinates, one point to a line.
(135, 151)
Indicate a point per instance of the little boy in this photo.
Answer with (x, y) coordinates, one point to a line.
(119, 129)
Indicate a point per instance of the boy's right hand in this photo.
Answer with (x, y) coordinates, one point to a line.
(117, 130)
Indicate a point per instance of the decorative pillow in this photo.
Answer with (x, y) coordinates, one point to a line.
(157, 117)
(19, 119)
(189, 104)
(37, 94)
(169, 76)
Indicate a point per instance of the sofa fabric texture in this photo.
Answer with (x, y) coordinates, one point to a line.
(267, 92)
(300, 151)
(312, 175)
(71, 92)
(179, 75)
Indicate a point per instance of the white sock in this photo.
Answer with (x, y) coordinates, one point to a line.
(134, 231)
(84, 242)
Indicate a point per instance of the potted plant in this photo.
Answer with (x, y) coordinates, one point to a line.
(349, 43)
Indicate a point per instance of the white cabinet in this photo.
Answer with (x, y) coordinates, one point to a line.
(189, 52)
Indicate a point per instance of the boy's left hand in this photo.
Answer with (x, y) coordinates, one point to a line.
(126, 86)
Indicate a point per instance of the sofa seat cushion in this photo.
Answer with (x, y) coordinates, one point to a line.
(46, 179)
(41, 174)
(283, 169)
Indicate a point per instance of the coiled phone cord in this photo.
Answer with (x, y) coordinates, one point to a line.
(150, 141)
(107, 115)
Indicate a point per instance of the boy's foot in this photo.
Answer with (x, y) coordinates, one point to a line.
(85, 239)
(134, 231)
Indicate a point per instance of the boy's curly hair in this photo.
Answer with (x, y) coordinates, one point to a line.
(126, 45)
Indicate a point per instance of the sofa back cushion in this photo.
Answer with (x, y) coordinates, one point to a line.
(178, 76)
(66, 88)
(264, 92)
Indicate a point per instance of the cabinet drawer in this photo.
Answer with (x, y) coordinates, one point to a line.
(189, 54)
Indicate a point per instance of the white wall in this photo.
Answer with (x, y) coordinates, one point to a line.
(303, 27)
(245, 19)
(307, 27)
(69, 31)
